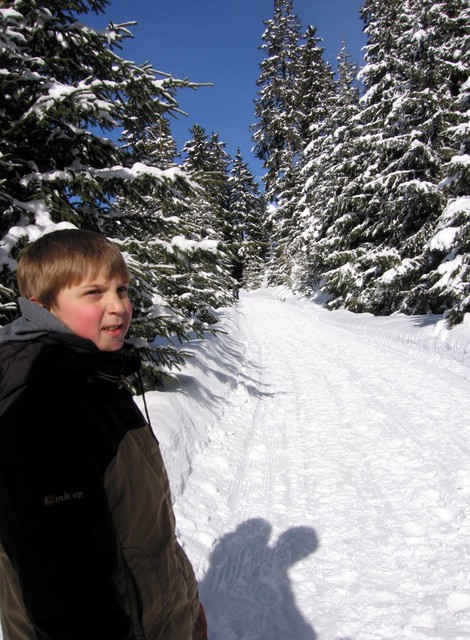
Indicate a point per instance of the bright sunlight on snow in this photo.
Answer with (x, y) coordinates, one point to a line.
(321, 473)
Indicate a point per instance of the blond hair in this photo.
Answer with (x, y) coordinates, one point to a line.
(66, 258)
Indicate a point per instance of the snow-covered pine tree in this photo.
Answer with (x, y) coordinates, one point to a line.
(404, 144)
(219, 192)
(276, 133)
(448, 250)
(199, 161)
(314, 111)
(154, 143)
(247, 212)
(64, 90)
(177, 281)
(374, 211)
(293, 81)
(205, 157)
(329, 174)
(62, 87)
(314, 81)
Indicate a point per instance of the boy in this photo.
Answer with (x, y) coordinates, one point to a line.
(87, 532)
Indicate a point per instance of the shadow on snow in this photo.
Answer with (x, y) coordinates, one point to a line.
(247, 592)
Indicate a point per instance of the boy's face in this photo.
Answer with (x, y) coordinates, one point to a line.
(98, 309)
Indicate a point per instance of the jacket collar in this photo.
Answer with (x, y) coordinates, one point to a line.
(37, 324)
(35, 321)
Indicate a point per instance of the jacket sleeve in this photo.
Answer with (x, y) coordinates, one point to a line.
(55, 523)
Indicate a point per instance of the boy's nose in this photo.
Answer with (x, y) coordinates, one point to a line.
(116, 305)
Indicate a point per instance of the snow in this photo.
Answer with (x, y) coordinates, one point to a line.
(9, 13)
(193, 245)
(455, 207)
(320, 469)
(321, 473)
(420, 35)
(443, 239)
(139, 169)
(450, 272)
(43, 224)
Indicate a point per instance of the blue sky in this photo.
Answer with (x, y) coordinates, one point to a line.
(218, 41)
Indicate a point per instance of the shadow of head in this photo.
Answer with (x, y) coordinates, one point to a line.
(296, 544)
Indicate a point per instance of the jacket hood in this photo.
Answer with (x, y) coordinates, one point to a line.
(39, 347)
(35, 321)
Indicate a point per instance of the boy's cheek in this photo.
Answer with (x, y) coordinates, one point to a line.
(85, 324)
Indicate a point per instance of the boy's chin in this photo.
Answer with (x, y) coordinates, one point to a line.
(113, 347)
(110, 345)
(110, 341)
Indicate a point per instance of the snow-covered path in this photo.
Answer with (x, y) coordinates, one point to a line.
(328, 496)
(320, 468)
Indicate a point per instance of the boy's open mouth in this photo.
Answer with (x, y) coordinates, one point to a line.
(113, 328)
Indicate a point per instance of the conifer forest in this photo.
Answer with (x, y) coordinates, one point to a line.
(365, 193)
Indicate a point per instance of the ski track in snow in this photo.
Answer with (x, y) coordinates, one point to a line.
(330, 499)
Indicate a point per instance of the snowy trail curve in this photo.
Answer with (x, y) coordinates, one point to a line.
(331, 499)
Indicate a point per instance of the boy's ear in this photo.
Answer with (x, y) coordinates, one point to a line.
(35, 300)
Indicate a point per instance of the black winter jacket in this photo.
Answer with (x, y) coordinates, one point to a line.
(87, 535)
